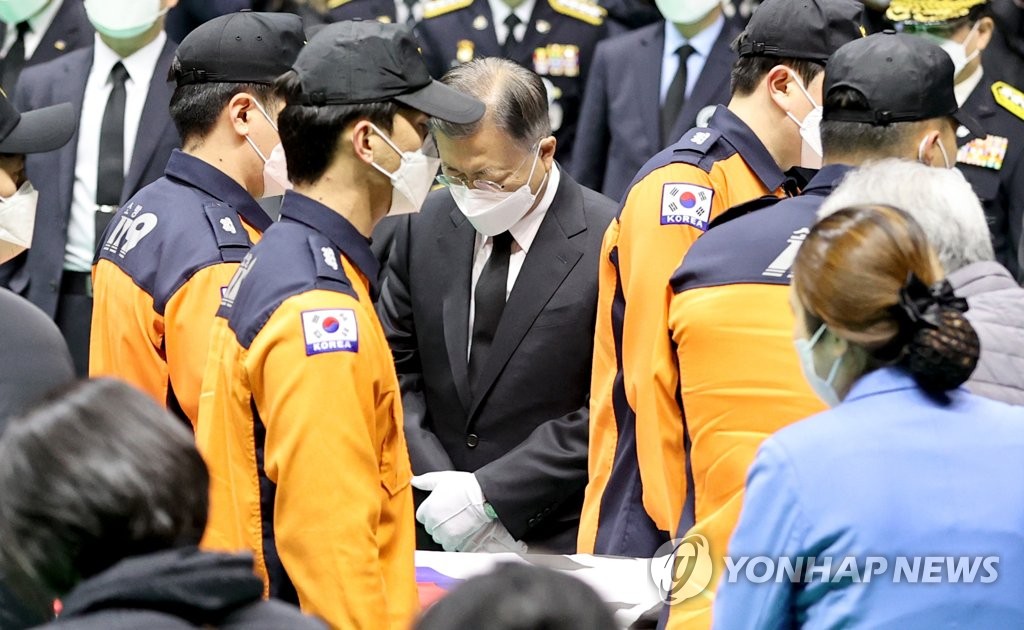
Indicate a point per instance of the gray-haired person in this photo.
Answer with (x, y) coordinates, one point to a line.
(945, 205)
(489, 304)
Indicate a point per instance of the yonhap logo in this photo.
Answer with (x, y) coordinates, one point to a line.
(681, 568)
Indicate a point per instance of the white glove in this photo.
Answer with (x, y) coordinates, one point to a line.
(493, 538)
(454, 511)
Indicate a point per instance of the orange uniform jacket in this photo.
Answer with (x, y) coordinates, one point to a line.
(300, 423)
(157, 281)
(732, 329)
(637, 470)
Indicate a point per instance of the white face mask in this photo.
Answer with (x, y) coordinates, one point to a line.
(275, 170)
(123, 19)
(12, 12)
(823, 387)
(492, 213)
(414, 177)
(17, 221)
(942, 150)
(810, 130)
(686, 11)
(958, 51)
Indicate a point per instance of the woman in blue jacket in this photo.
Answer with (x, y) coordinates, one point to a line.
(903, 506)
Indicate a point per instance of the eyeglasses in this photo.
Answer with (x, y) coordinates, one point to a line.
(485, 184)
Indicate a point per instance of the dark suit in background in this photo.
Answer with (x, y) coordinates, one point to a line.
(630, 14)
(191, 13)
(619, 123)
(37, 273)
(525, 431)
(69, 31)
(380, 10)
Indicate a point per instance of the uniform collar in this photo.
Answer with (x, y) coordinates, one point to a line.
(749, 146)
(211, 180)
(299, 208)
(826, 179)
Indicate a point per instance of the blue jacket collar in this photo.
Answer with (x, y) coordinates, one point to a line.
(196, 173)
(881, 381)
(299, 208)
(749, 146)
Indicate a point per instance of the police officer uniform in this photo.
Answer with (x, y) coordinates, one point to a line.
(301, 415)
(380, 10)
(173, 246)
(638, 479)
(994, 161)
(558, 44)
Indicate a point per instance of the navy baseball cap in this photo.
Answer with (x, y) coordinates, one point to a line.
(35, 131)
(902, 77)
(801, 29)
(352, 63)
(242, 47)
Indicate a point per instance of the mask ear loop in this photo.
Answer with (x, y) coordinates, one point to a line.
(807, 95)
(942, 150)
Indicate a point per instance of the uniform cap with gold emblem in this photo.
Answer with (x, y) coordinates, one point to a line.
(801, 29)
(931, 12)
(902, 78)
(35, 131)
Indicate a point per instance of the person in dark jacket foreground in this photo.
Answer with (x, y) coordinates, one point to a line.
(104, 501)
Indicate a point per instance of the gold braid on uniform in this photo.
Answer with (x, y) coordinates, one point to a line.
(930, 11)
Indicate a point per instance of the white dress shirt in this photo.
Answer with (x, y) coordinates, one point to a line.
(702, 44)
(965, 88)
(500, 11)
(402, 12)
(141, 65)
(38, 25)
(523, 233)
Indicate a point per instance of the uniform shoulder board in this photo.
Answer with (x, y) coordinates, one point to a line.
(232, 239)
(584, 10)
(699, 140)
(1009, 97)
(334, 4)
(436, 8)
(329, 272)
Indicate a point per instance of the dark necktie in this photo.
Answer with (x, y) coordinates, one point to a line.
(512, 21)
(489, 301)
(110, 174)
(410, 20)
(675, 97)
(15, 60)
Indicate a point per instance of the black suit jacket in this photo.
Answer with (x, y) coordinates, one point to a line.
(525, 431)
(382, 10)
(37, 274)
(619, 127)
(69, 31)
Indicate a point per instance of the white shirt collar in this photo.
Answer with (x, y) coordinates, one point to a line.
(140, 65)
(964, 89)
(500, 11)
(702, 42)
(525, 231)
(41, 21)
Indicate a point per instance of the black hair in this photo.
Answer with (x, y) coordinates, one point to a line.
(748, 72)
(95, 474)
(309, 133)
(196, 107)
(520, 597)
(859, 138)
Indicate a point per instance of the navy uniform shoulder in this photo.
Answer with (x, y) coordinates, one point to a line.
(380, 10)
(701, 147)
(289, 260)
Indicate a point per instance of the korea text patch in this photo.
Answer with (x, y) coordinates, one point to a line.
(686, 204)
(330, 330)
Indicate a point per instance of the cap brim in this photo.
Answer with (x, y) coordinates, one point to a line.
(440, 101)
(965, 119)
(41, 130)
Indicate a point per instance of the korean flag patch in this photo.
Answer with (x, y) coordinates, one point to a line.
(686, 204)
(330, 330)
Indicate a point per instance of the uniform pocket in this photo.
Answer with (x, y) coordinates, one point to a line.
(395, 469)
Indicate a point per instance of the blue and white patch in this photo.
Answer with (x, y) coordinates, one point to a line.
(686, 204)
(330, 330)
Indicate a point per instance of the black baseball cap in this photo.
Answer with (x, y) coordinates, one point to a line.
(35, 131)
(242, 47)
(801, 29)
(352, 63)
(902, 77)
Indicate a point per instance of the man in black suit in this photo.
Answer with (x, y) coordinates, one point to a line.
(641, 99)
(489, 302)
(123, 141)
(37, 31)
(554, 38)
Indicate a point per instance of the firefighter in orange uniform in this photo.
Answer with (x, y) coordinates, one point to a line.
(300, 416)
(638, 481)
(169, 252)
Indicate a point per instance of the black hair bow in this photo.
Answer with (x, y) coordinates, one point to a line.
(919, 304)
